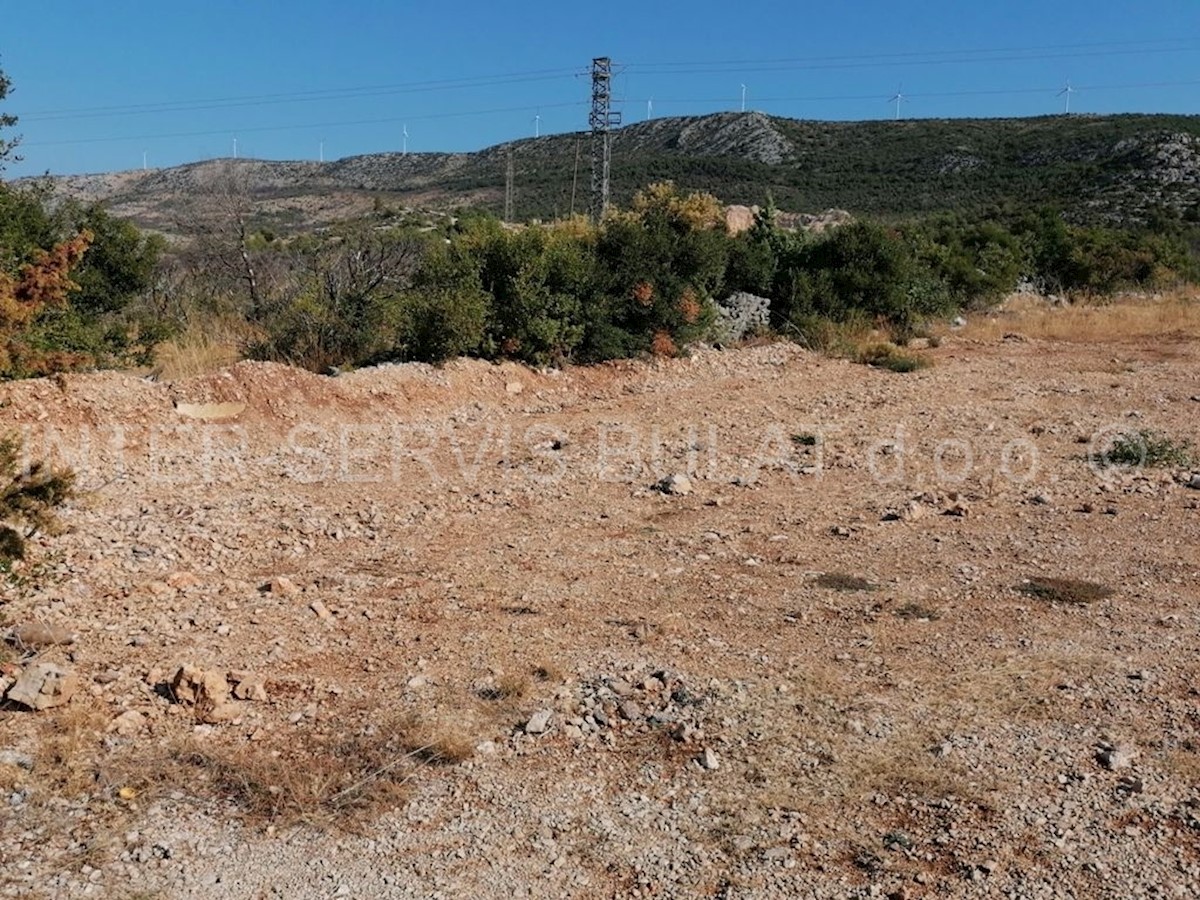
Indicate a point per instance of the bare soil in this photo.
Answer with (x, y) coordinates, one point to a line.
(466, 546)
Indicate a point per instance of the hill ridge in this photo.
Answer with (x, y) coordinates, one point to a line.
(1111, 168)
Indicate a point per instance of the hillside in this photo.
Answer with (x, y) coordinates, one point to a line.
(1101, 168)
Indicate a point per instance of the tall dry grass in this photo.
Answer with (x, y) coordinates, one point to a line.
(205, 345)
(1097, 321)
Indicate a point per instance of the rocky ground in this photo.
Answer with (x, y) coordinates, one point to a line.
(750, 624)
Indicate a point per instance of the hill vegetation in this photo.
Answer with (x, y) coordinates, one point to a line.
(1098, 169)
(314, 265)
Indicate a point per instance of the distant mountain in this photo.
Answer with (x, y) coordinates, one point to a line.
(1099, 168)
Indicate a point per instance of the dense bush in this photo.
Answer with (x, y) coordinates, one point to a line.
(860, 270)
(643, 281)
(329, 302)
(69, 286)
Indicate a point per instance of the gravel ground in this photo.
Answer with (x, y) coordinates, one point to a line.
(606, 585)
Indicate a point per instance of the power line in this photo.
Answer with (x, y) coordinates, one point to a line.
(874, 60)
(831, 98)
(695, 101)
(881, 63)
(885, 58)
(306, 125)
(297, 96)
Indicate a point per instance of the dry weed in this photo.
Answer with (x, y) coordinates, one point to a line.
(322, 781)
(1070, 591)
(199, 349)
(1083, 322)
(838, 581)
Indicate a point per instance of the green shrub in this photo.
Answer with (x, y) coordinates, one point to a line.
(539, 281)
(434, 326)
(28, 498)
(860, 269)
(1145, 448)
(892, 358)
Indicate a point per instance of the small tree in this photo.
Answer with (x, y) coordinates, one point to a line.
(43, 282)
(6, 121)
(28, 498)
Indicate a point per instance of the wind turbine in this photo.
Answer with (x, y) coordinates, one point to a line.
(144, 166)
(898, 98)
(1067, 91)
(537, 125)
(235, 148)
(405, 133)
(649, 109)
(743, 98)
(321, 151)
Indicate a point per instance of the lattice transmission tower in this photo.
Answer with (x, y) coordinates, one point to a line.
(602, 121)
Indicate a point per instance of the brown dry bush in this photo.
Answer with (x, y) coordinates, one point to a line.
(335, 781)
(663, 344)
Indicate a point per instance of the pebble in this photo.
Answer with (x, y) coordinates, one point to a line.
(1115, 756)
(538, 722)
(676, 485)
(630, 710)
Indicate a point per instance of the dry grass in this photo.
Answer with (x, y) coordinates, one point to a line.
(66, 759)
(1091, 322)
(506, 687)
(338, 781)
(893, 358)
(1070, 591)
(839, 581)
(918, 612)
(199, 349)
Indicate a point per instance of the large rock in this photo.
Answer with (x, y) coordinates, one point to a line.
(739, 219)
(127, 724)
(678, 485)
(43, 686)
(206, 691)
(740, 315)
(538, 722)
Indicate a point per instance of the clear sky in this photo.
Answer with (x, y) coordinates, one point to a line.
(99, 84)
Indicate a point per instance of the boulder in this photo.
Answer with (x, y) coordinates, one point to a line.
(207, 692)
(739, 315)
(127, 724)
(738, 219)
(677, 485)
(43, 686)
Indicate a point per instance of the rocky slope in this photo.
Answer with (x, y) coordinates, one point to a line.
(1110, 168)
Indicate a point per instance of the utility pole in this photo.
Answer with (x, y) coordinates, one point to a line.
(602, 120)
(508, 189)
(575, 177)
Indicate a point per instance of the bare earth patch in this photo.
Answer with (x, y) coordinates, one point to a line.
(411, 630)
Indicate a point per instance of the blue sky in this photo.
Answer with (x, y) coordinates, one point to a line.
(97, 85)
